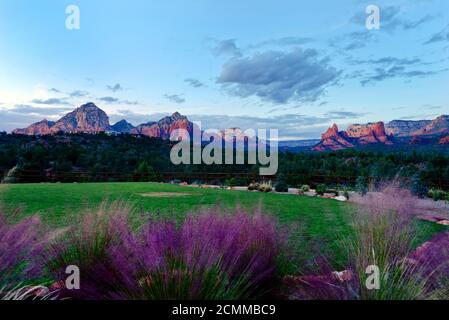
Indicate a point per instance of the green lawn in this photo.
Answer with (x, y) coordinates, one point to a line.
(319, 224)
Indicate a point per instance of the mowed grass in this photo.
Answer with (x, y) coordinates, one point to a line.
(317, 226)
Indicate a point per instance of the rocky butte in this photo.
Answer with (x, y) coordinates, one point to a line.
(397, 131)
(356, 134)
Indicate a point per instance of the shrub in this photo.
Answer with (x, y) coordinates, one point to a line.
(265, 187)
(321, 189)
(254, 186)
(232, 182)
(208, 256)
(304, 188)
(437, 195)
(361, 185)
(281, 185)
(418, 186)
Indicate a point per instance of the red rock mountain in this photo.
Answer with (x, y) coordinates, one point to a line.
(88, 118)
(356, 134)
(164, 127)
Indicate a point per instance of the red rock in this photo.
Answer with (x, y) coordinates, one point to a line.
(444, 140)
(356, 134)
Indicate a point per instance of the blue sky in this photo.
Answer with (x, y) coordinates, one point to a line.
(294, 65)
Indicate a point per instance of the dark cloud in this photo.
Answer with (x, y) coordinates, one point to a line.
(279, 77)
(54, 90)
(176, 98)
(194, 82)
(441, 36)
(79, 94)
(114, 88)
(226, 48)
(51, 101)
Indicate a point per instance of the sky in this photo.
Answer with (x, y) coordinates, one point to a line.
(296, 66)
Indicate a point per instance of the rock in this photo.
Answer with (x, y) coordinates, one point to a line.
(88, 119)
(356, 134)
(444, 140)
(405, 128)
(341, 198)
(164, 127)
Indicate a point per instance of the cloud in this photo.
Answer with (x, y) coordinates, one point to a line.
(279, 77)
(194, 83)
(114, 88)
(21, 115)
(79, 94)
(109, 99)
(51, 101)
(176, 98)
(226, 48)
(441, 36)
(385, 68)
(337, 115)
(26, 109)
(354, 40)
(285, 41)
(54, 90)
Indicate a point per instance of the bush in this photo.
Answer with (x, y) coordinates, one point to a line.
(266, 187)
(418, 187)
(361, 185)
(254, 186)
(437, 195)
(232, 182)
(321, 189)
(208, 256)
(281, 185)
(304, 188)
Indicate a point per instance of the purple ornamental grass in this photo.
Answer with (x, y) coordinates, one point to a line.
(210, 255)
(19, 243)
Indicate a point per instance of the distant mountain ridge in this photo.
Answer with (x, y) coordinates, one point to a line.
(88, 118)
(397, 131)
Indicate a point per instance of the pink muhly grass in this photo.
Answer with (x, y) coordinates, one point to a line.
(209, 255)
(19, 243)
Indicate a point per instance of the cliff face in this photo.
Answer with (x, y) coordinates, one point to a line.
(164, 127)
(356, 134)
(405, 128)
(38, 128)
(368, 133)
(87, 118)
(439, 125)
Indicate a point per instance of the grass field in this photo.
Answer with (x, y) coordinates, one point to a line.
(320, 224)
